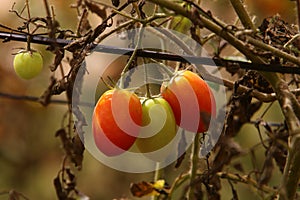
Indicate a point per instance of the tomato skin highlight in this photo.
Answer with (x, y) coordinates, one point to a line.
(113, 132)
(162, 131)
(190, 98)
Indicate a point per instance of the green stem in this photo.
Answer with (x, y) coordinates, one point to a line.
(139, 40)
(194, 166)
(243, 15)
(157, 176)
(177, 183)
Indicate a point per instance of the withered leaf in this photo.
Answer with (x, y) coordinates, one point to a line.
(78, 150)
(239, 167)
(67, 145)
(141, 189)
(144, 188)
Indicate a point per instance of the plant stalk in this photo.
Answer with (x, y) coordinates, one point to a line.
(194, 166)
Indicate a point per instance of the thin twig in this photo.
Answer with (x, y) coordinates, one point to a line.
(246, 180)
(298, 13)
(37, 99)
(194, 166)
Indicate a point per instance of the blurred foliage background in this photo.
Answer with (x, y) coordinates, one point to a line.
(31, 156)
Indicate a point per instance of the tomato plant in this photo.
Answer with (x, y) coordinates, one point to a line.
(116, 121)
(159, 126)
(28, 64)
(190, 98)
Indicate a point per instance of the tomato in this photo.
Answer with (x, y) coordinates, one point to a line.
(159, 127)
(116, 121)
(191, 100)
(28, 64)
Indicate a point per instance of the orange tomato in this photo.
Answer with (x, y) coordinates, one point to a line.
(116, 121)
(191, 100)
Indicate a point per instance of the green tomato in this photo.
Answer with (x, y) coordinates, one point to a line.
(159, 128)
(28, 64)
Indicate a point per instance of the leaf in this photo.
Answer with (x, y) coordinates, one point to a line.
(141, 189)
(144, 188)
(78, 150)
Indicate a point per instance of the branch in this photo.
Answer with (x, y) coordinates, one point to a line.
(214, 62)
(243, 15)
(37, 99)
(247, 180)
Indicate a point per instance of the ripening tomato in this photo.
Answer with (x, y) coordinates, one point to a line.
(191, 100)
(116, 122)
(159, 127)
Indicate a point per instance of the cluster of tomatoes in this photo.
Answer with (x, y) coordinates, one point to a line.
(122, 121)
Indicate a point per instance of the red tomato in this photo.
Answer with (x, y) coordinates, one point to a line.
(116, 121)
(191, 100)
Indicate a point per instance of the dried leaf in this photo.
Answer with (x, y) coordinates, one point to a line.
(141, 189)
(78, 150)
(239, 167)
(144, 188)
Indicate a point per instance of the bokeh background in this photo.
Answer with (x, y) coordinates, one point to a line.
(31, 156)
